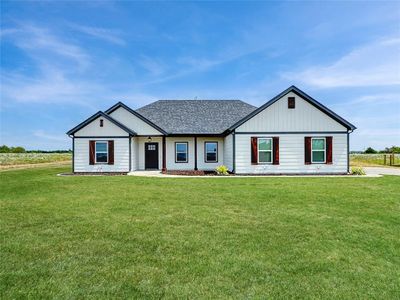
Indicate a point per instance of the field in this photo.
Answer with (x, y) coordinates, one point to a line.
(131, 237)
(12, 159)
(366, 160)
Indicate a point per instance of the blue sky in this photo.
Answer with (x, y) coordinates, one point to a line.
(63, 61)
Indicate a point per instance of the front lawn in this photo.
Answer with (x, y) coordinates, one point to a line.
(131, 237)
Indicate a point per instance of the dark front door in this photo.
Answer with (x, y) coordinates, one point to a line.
(151, 155)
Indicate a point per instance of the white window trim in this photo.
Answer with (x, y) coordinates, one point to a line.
(95, 152)
(176, 152)
(258, 151)
(318, 150)
(206, 152)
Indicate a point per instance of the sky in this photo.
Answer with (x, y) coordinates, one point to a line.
(61, 62)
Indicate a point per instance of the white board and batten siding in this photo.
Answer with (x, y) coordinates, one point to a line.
(291, 126)
(134, 123)
(94, 129)
(121, 156)
(278, 118)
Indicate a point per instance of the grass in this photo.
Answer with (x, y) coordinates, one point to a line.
(131, 237)
(10, 159)
(366, 160)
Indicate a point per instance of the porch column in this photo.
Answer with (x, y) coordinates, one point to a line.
(195, 153)
(164, 154)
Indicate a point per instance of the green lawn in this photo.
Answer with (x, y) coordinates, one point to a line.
(122, 236)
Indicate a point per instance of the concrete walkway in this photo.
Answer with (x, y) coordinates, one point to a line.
(381, 171)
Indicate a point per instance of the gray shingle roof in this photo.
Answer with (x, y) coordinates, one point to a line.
(195, 116)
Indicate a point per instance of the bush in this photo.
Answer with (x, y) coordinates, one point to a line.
(357, 171)
(222, 170)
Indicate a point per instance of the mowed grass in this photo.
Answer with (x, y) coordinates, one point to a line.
(130, 237)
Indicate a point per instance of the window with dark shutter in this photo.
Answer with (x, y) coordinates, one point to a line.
(307, 150)
(291, 102)
(275, 147)
(101, 122)
(92, 145)
(254, 151)
(329, 152)
(110, 152)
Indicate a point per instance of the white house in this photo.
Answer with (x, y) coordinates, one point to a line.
(290, 134)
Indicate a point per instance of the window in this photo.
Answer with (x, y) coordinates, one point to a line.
(291, 102)
(265, 150)
(318, 150)
(151, 147)
(101, 152)
(101, 122)
(181, 152)
(211, 151)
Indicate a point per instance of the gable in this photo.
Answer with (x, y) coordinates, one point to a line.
(277, 117)
(93, 128)
(133, 122)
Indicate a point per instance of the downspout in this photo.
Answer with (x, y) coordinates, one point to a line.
(73, 153)
(130, 153)
(348, 150)
(234, 152)
(164, 152)
(195, 153)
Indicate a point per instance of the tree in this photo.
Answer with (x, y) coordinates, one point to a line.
(4, 149)
(17, 150)
(370, 150)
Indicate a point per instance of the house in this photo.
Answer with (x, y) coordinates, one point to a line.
(290, 134)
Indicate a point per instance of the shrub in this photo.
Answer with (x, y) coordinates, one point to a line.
(222, 170)
(357, 171)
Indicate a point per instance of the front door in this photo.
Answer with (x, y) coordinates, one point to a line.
(151, 155)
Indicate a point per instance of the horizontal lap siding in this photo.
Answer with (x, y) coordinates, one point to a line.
(121, 156)
(228, 152)
(291, 156)
(171, 164)
(135, 153)
(201, 164)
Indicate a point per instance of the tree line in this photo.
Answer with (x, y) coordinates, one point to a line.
(19, 149)
(393, 149)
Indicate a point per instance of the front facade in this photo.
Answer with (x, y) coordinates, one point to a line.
(290, 134)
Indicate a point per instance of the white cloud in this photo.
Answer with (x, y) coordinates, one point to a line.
(375, 64)
(51, 86)
(39, 43)
(108, 35)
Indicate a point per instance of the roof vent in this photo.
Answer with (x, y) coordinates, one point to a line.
(291, 102)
